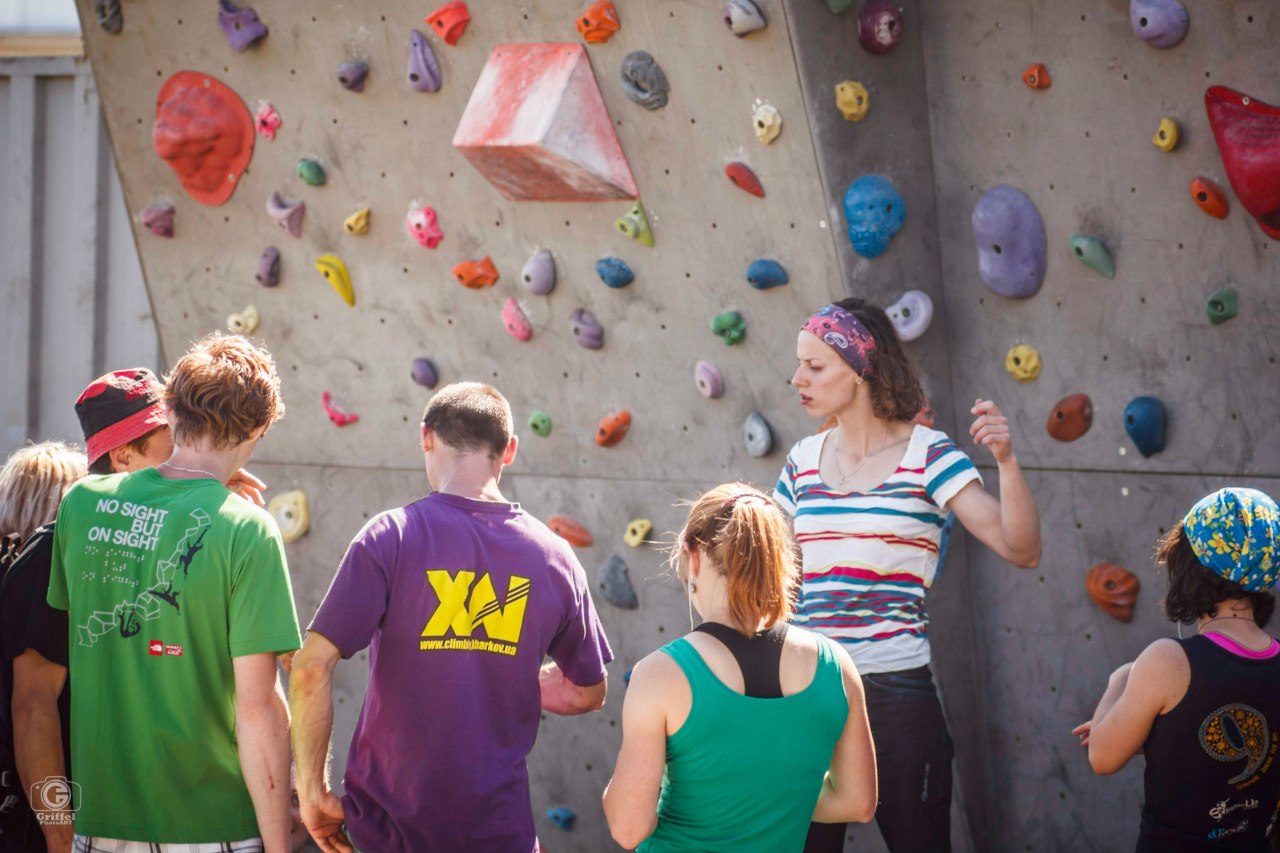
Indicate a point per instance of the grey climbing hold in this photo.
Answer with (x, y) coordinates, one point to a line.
(644, 81)
(539, 273)
(109, 15)
(615, 584)
(352, 75)
(743, 17)
(269, 267)
(756, 435)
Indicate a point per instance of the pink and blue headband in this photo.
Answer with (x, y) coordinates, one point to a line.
(844, 333)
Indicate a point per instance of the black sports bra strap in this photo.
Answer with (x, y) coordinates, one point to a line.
(759, 657)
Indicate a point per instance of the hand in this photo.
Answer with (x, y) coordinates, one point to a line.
(1082, 731)
(324, 820)
(991, 430)
(247, 486)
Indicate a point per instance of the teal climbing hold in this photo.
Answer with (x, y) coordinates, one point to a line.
(1221, 305)
(562, 817)
(311, 172)
(1093, 253)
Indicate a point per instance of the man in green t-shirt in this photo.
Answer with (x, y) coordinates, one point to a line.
(178, 599)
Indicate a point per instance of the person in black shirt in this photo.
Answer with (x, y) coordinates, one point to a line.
(1205, 711)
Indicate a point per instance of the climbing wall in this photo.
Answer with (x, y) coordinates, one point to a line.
(1021, 655)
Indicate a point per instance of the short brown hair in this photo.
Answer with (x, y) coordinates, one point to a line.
(102, 465)
(896, 394)
(470, 416)
(32, 483)
(223, 389)
(747, 537)
(1196, 591)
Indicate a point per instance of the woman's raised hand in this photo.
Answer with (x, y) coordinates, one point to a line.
(991, 429)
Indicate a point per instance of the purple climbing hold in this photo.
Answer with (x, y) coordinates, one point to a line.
(241, 25)
(708, 379)
(158, 219)
(1011, 242)
(539, 273)
(286, 214)
(424, 69)
(879, 26)
(423, 371)
(269, 267)
(1160, 23)
(352, 75)
(586, 329)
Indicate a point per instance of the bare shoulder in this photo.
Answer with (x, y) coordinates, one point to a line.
(1166, 655)
(656, 674)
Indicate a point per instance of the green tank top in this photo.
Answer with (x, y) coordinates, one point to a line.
(743, 774)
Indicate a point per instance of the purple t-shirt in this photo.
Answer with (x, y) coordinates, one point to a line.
(459, 601)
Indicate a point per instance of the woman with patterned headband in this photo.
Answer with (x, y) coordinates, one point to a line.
(1205, 711)
(869, 499)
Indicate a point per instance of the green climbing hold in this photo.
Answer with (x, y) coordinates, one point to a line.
(311, 172)
(540, 423)
(1093, 253)
(1221, 305)
(635, 224)
(731, 326)
(838, 6)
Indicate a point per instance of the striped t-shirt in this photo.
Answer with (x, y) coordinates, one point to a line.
(870, 556)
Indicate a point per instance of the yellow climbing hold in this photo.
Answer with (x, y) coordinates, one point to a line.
(358, 222)
(637, 530)
(1166, 138)
(1023, 362)
(335, 272)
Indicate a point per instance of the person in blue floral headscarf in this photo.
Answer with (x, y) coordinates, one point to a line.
(1205, 711)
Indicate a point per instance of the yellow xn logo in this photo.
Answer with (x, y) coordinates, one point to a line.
(455, 612)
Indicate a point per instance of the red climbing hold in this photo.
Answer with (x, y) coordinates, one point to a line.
(205, 133)
(537, 128)
(1037, 76)
(450, 20)
(744, 178)
(613, 428)
(570, 531)
(1248, 136)
(1209, 197)
(598, 22)
(337, 412)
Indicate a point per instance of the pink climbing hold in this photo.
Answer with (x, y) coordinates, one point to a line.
(537, 127)
(267, 121)
(1248, 135)
(515, 321)
(423, 226)
(158, 219)
(286, 213)
(337, 412)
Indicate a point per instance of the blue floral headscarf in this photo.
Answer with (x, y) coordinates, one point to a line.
(1235, 533)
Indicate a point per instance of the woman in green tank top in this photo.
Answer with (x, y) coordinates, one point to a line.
(737, 735)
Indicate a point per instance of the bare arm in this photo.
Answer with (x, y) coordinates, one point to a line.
(311, 698)
(631, 797)
(561, 696)
(262, 733)
(850, 790)
(1010, 526)
(1136, 694)
(37, 733)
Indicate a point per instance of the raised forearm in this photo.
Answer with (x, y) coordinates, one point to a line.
(262, 732)
(1019, 518)
(561, 696)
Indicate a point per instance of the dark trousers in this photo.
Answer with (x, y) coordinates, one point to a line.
(913, 759)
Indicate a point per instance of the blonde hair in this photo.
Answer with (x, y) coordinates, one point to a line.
(32, 483)
(223, 389)
(747, 537)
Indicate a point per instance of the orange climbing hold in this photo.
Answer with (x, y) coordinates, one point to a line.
(598, 22)
(1210, 198)
(449, 21)
(744, 179)
(570, 531)
(1114, 589)
(476, 274)
(613, 428)
(1037, 76)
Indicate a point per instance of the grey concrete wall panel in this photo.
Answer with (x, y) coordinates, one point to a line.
(75, 304)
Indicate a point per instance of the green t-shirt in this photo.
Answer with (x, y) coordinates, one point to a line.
(165, 581)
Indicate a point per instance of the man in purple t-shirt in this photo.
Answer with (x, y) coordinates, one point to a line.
(459, 597)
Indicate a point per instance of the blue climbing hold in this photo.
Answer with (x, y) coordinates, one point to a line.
(626, 678)
(874, 211)
(614, 272)
(1145, 420)
(764, 274)
(562, 817)
(615, 584)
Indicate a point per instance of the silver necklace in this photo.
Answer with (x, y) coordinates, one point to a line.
(192, 470)
(858, 467)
